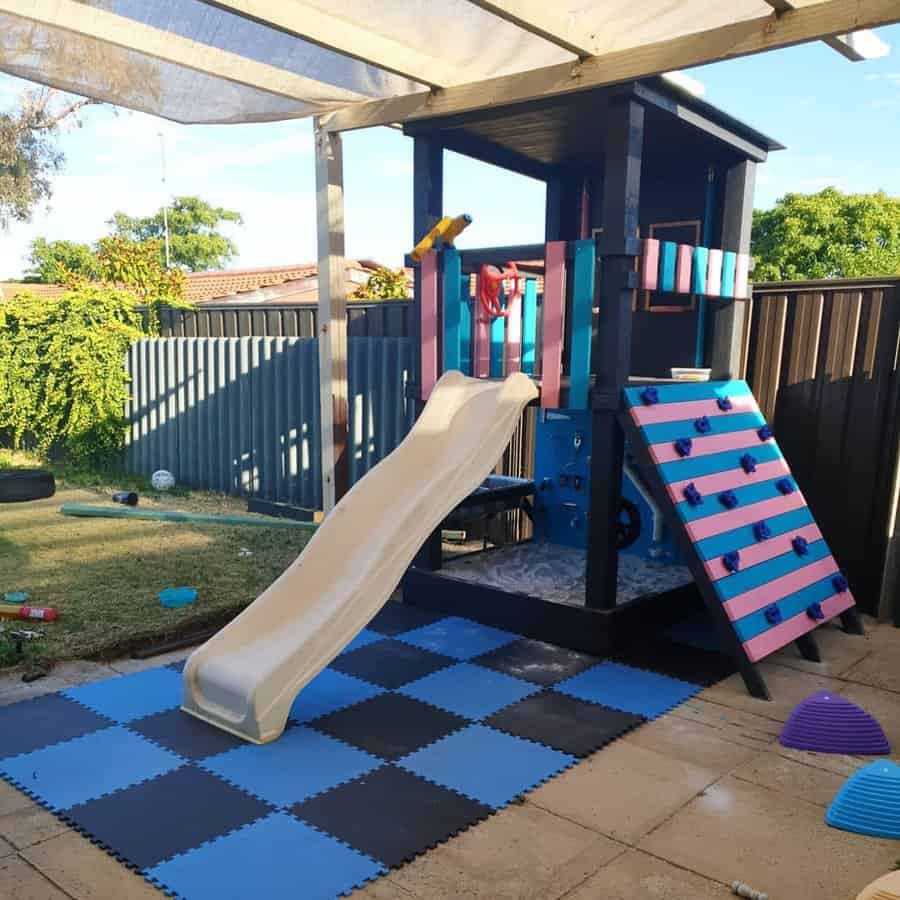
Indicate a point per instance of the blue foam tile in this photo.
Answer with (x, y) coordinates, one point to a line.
(633, 690)
(278, 856)
(458, 638)
(88, 767)
(129, 697)
(486, 765)
(300, 764)
(363, 639)
(469, 690)
(329, 691)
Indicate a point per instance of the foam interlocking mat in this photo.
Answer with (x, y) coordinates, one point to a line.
(422, 727)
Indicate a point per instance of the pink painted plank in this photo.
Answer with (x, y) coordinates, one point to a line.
(768, 549)
(650, 264)
(704, 446)
(683, 269)
(714, 273)
(743, 515)
(689, 409)
(742, 276)
(513, 335)
(554, 305)
(728, 481)
(429, 322)
(481, 343)
(781, 635)
(779, 588)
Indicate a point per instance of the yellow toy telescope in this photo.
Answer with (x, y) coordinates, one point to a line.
(447, 229)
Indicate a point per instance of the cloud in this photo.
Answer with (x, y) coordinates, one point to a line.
(226, 159)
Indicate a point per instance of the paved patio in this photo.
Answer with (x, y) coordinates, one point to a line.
(676, 810)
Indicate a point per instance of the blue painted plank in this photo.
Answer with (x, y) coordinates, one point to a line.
(767, 571)
(747, 495)
(498, 333)
(690, 390)
(694, 467)
(729, 261)
(668, 254)
(738, 538)
(529, 326)
(465, 326)
(582, 306)
(659, 432)
(792, 605)
(452, 309)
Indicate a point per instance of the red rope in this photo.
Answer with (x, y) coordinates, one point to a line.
(489, 282)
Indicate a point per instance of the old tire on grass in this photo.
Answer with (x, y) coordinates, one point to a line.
(18, 485)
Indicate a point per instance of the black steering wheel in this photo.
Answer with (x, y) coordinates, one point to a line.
(628, 524)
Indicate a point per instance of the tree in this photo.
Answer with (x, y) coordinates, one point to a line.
(28, 152)
(383, 284)
(195, 242)
(827, 235)
(55, 262)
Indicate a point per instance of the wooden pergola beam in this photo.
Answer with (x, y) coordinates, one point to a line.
(771, 32)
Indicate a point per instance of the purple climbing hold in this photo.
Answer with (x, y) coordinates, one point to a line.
(683, 446)
(773, 614)
(840, 583)
(748, 463)
(785, 485)
(702, 425)
(728, 499)
(732, 560)
(828, 723)
(761, 531)
(649, 396)
(692, 495)
(814, 611)
(724, 403)
(765, 432)
(800, 545)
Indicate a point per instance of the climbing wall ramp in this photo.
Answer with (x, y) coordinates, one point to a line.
(757, 553)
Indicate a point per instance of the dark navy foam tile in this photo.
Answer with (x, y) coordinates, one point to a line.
(390, 726)
(301, 763)
(32, 724)
(391, 814)
(469, 690)
(330, 691)
(536, 661)
(565, 723)
(177, 666)
(363, 639)
(691, 664)
(633, 690)
(131, 697)
(486, 765)
(165, 816)
(459, 638)
(185, 735)
(275, 857)
(395, 618)
(697, 631)
(87, 767)
(390, 663)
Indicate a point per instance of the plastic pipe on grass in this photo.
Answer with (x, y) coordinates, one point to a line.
(159, 515)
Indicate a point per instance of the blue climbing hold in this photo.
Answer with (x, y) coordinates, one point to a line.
(773, 615)
(765, 432)
(761, 531)
(702, 425)
(732, 560)
(800, 545)
(840, 583)
(724, 403)
(692, 495)
(173, 598)
(650, 395)
(785, 485)
(728, 499)
(683, 446)
(814, 611)
(748, 463)
(869, 801)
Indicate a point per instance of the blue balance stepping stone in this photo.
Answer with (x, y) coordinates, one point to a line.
(869, 801)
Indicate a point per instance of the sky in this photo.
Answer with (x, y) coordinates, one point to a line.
(839, 120)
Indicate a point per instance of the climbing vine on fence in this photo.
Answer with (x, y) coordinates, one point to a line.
(63, 384)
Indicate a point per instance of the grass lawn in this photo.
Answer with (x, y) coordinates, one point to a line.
(103, 575)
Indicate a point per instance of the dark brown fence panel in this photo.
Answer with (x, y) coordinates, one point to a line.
(822, 361)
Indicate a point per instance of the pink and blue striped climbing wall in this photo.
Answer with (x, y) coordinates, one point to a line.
(734, 496)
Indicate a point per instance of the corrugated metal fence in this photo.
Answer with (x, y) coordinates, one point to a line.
(241, 415)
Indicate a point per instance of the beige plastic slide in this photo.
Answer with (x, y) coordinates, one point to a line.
(245, 679)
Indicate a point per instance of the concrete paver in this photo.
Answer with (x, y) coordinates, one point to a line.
(840, 652)
(29, 825)
(791, 777)
(19, 881)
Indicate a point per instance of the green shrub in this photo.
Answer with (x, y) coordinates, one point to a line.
(63, 384)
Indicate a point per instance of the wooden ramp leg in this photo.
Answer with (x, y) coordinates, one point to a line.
(852, 621)
(756, 684)
(808, 647)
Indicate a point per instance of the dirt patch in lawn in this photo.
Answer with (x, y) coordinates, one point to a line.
(103, 575)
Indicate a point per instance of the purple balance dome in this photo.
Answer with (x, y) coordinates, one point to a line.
(828, 723)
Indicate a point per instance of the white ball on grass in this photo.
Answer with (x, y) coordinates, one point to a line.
(162, 480)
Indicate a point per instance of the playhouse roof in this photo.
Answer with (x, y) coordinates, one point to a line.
(367, 62)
